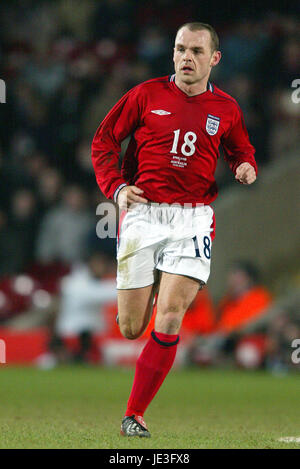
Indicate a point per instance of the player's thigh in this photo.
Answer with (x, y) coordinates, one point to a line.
(176, 293)
(135, 309)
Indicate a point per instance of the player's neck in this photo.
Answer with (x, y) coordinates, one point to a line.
(194, 89)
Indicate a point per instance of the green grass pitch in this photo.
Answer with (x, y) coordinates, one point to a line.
(81, 407)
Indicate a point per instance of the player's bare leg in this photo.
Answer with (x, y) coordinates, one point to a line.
(176, 293)
(134, 310)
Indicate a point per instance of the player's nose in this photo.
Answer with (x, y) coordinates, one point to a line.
(187, 55)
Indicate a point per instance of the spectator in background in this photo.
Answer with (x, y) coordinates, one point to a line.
(256, 112)
(65, 119)
(34, 163)
(64, 229)
(154, 48)
(30, 115)
(281, 332)
(285, 132)
(244, 301)
(9, 254)
(44, 72)
(49, 186)
(84, 163)
(96, 109)
(138, 71)
(18, 233)
(24, 224)
(280, 63)
(242, 48)
(285, 135)
(113, 18)
(84, 293)
(6, 182)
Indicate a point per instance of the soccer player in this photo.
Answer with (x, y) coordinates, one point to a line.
(165, 187)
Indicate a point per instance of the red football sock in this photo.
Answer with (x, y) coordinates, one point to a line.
(152, 367)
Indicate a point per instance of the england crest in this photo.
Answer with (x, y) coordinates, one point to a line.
(212, 124)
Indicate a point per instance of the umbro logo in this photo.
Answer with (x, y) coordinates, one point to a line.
(161, 112)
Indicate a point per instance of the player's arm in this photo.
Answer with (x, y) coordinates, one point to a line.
(239, 153)
(120, 122)
(245, 173)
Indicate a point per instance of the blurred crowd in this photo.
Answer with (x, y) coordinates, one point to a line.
(66, 63)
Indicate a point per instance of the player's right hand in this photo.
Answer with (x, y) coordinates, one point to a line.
(129, 195)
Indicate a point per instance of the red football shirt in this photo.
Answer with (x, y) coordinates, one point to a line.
(174, 146)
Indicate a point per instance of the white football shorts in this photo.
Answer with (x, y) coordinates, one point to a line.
(160, 237)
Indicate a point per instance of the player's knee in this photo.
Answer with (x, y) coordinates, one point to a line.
(170, 321)
(174, 305)
(172, 310)
(129, 334)
(130, 331)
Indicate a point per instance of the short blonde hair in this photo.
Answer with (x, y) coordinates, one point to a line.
(197, 26)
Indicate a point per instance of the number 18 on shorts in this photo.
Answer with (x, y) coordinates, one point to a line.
(160, 237)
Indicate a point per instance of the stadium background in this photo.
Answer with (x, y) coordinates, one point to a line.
(65, 64)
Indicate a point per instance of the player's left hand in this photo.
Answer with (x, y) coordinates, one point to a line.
(245, 173)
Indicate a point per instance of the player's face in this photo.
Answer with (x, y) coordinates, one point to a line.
(193, 56)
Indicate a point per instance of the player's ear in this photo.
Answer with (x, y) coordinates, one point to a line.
(216, 57)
